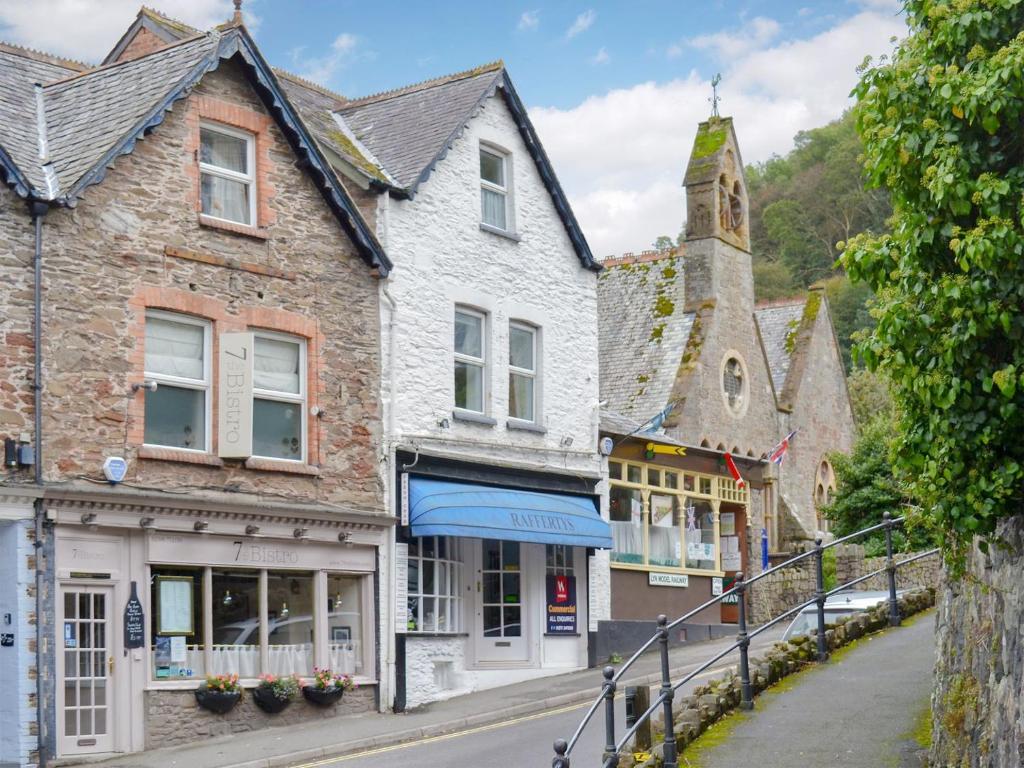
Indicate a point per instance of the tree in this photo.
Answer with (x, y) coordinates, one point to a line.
(870, 397)
(663, 243)
(941, 124)
(848, 306)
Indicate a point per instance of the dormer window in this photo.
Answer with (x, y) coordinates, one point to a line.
(494, 189)
(227, 174)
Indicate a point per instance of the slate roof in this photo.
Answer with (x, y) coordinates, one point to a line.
(777, 323)
(642, 332)
(407, 129)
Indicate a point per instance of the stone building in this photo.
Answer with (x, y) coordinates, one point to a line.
(694, 375)
(197, 428)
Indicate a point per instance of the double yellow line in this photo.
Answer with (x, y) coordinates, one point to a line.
(466, 732)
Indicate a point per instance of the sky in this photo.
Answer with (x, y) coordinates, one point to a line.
(615, 89)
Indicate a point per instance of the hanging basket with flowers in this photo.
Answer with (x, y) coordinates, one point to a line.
(219, 693)
(326, 687)
(274, 692)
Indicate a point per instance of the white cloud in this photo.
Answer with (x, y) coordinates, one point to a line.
(322, 69)
(529, 20)
(601, 57)
(621, 155)
(727, 45)
(583, 22)
(88, 29)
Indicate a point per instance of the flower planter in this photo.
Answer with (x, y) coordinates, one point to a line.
(268, 702)
(218, 702)
(323, 697)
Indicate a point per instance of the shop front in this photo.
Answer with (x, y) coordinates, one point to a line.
(148, 602)
(496, 585)
(680, 534)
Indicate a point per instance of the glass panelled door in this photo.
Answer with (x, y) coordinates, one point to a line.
(85, 719)
(501, 603)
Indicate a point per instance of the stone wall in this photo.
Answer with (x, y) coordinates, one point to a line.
(978, 717)
(173, 717)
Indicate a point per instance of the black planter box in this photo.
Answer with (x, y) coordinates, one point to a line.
(268, 702)
(323, 698)
(219, 702)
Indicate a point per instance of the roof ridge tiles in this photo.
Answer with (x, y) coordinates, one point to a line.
(786, 301)
(644, 256)
(483, 69)
(124, 62)
(343, 101)
(145, 10)
(43, 56)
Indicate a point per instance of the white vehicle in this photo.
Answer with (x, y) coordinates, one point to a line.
(839, 606)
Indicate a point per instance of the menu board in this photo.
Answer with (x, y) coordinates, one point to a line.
(174, 605)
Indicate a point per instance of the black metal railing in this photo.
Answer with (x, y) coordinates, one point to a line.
(666, 693)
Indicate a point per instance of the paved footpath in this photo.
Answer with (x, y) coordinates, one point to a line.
(857, 711)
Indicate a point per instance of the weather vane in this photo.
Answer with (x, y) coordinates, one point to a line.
(715, 98)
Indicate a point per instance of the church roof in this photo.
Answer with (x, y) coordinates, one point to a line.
(642, 331)
(778, 324)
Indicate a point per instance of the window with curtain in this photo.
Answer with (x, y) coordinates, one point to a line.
(493, 189)
(226, 179)
(236, 623)
(522, 371)
(177, 359)
(470, 360)
(278, 414)
(290, 631)
(345, 623)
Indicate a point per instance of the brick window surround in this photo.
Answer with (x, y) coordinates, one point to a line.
(206, 109)
(223, 321)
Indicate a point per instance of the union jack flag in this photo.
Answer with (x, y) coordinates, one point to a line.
(778, 454)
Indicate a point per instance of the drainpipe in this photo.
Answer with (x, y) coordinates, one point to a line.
(38, 210)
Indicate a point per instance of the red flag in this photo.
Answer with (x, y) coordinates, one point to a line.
(734, 471)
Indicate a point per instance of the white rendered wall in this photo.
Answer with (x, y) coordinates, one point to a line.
(17, 739)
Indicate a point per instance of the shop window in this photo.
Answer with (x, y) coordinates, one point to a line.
(700, 535)
(626, 510)
(435, 585)
(664, 541)
(614, 470)
(226, 173)
(279, 394)
(559, 559)
(653, 476)
(236, 623)
(177, 360)
(671, 480)
(176, 623)
(290, 623)
(470, 360)
(634, 474)
(522, 372)
(345, 623)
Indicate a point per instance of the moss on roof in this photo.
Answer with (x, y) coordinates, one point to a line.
(355, 155)
(710, 138)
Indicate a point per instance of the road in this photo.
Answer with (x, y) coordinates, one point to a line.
(518, 743)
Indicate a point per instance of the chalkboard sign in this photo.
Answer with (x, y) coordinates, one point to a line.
(134, 622)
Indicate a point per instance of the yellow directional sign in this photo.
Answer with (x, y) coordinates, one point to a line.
(670, 450)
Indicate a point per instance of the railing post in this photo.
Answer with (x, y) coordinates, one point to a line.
(890, 567)
(746, 697)
(611, 754)
(819, 598)
(667, 694)
(560, 760)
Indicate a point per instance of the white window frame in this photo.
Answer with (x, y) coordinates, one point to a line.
(563, 552)
(285, 397)
(505, 191)
(534, 332)
(453, 598)
(205, 385)
(249, 179)
(480, 362)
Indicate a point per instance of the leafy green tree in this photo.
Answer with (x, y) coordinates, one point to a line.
(869, 396)
(848, 306)
(867, 488)
(941, 123)
(772, 280)
(663, 243)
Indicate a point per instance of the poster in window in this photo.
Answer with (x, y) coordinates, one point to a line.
(174, 605)
(561, 605)
(727, 523)
(731, 559)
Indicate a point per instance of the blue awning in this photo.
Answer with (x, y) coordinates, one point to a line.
(445, 508)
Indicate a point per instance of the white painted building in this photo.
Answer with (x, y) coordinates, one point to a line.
(490, 382)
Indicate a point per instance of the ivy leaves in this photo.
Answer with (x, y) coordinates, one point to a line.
(942, 123)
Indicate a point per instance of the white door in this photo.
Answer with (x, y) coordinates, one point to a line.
(86, 717)
(501, 610)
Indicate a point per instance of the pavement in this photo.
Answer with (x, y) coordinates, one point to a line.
(859, 710)
(553, 705)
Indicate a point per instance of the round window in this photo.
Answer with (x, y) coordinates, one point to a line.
(734, 384)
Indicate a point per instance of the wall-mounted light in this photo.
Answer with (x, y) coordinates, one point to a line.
(89, 518)
(200, 525)
(147, 522)
(317, 411)
(252, 530)
(300, 533)
(149, 385)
